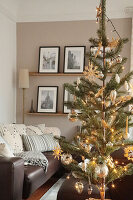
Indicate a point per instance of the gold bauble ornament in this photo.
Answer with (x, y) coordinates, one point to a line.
(66, 159)
(101, 170)
(79, 187)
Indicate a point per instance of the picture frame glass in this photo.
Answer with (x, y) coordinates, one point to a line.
(47, 99)
(49, 59)
(74, 59)
(68, 97)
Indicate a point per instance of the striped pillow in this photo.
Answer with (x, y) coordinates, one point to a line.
(45, 142)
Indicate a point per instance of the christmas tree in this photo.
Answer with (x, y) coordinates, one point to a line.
(102, 97)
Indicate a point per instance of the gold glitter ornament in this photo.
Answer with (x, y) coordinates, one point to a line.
(101, 170)
(66, 159)
(79, 187)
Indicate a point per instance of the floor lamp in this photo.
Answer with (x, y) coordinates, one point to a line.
(23, 84)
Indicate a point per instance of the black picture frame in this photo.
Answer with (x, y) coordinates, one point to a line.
(65, 99)
(82, 63)
(54, 101)
(54, 49)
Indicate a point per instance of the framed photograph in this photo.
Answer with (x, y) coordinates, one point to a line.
(95, 49)
(47, 99)
(74, 59)
(68, 97)
(49, 59)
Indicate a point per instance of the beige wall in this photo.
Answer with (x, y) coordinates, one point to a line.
(7, 70)
(32, 35)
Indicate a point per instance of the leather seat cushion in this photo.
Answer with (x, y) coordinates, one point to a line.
(35, 176)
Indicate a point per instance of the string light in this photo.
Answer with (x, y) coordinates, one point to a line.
(116, 162)
(125, 168)
(112, 130)
(113, 185)
(114, 29)
(115, 171)
(68, 177)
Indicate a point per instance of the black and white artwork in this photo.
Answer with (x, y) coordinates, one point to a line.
(74, 59)
(68, 97)
(49, 59)
(47, 99)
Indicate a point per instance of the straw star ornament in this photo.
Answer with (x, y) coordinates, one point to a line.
(57, 152)
(91, 72)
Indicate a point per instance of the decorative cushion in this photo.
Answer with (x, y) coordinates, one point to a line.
(41, 143)
(32, 130)
(12, 133)
(47, 130)
(5, 150)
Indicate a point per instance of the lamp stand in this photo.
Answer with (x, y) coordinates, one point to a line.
(23, 103)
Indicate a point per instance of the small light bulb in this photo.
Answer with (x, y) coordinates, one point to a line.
(125, 168)
(113, 186)
(116, 162)
(112, 130)
(68, 177)
(115, 170)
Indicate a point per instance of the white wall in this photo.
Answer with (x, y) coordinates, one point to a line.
(7, 70)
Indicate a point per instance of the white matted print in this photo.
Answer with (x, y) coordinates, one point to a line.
(68, 97)
(49, 59)
(74, 59)
(47, 99)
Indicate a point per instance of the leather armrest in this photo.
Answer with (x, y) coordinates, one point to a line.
(11, 178)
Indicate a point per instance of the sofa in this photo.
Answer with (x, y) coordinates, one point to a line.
(19, 181)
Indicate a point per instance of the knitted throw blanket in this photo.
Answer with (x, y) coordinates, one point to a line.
(34, 158)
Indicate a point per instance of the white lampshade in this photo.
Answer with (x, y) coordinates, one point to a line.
(23, 78)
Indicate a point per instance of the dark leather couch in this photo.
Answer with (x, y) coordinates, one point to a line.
(18, 181)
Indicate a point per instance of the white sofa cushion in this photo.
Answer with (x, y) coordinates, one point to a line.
(5, 150)
(32, 130)
(54, 130)
(12, 133)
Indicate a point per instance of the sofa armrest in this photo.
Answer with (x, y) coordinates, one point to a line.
(11, 178)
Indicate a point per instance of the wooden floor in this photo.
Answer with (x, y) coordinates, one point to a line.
(43, 189)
